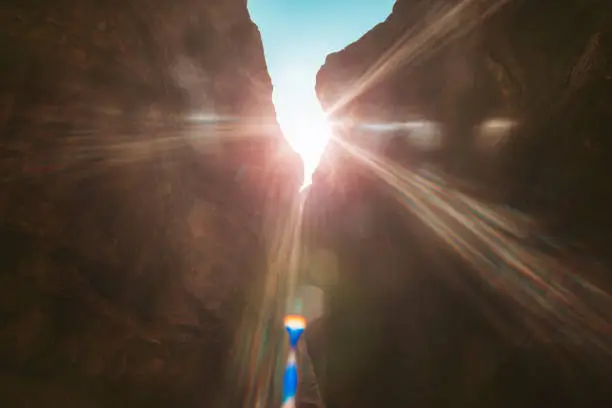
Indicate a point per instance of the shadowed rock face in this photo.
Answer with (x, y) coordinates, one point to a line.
(406, 324)
(520, 64)
(130, 236)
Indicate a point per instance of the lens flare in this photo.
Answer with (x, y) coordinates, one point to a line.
(295, 322)
(295, 326)
(302, 120)
(555, 300)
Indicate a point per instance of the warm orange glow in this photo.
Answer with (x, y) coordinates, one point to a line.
(302, 120)
(295, 322)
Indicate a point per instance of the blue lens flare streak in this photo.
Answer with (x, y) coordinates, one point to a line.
(295, 327)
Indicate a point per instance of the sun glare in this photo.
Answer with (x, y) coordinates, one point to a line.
(302, 120)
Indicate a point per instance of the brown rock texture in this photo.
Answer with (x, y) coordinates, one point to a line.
(139, 156)
(426, 333)
(545, 67)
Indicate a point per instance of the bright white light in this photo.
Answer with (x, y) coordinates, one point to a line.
(302, 119)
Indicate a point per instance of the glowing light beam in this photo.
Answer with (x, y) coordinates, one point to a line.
(494, 243)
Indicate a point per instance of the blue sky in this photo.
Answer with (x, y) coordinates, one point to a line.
(299, 34)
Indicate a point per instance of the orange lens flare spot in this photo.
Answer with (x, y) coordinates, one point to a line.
(295, 322)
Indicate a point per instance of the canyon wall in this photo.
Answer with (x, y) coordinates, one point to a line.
(427, 330)
(139, 157)
(541, 70)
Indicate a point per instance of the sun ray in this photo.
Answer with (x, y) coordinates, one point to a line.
(449, 24)
(493, 243)
(302, 120)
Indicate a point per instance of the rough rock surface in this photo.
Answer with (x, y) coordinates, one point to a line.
(130, 234)
(405, 326)
(520, 63)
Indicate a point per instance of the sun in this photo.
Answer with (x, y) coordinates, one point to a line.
(303, 122)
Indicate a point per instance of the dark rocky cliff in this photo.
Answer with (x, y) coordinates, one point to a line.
(545, 67)
(131, 222)
(431, 336)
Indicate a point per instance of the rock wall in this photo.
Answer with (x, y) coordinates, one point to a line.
(461, 64)
(139, 157)
(425, 333)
